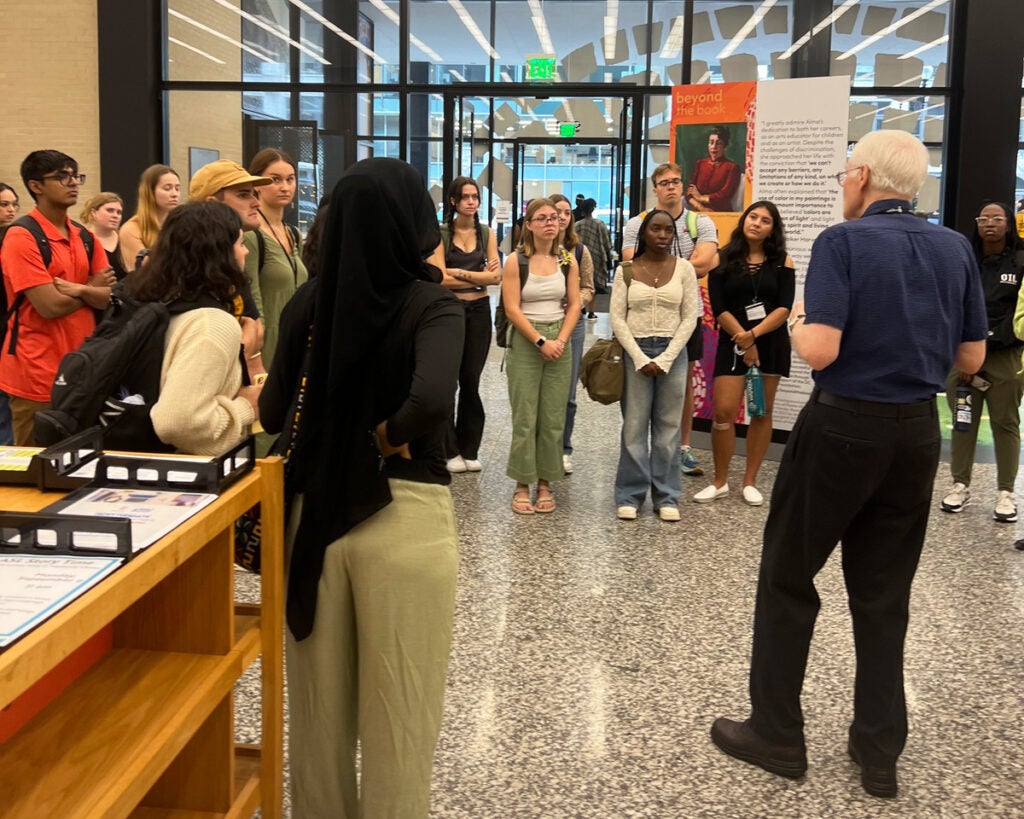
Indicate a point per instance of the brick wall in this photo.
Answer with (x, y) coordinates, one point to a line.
(48, 87)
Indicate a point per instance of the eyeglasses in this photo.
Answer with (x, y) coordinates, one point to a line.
(545, 220)
(841, 176)
(669, 183)
(66, 177)
(990, 220)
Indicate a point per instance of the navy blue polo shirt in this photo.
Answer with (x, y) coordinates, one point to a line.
(904, 292)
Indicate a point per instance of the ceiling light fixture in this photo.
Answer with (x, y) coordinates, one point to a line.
(348, 38)
(748, 26)
(256, 21)
(540, 25)
(198, 51)
(611, 30)
(925, 47)
(215, 33)
(392, 15)
(673, 47)
(828, 21)
(473, 28)
(889, 29)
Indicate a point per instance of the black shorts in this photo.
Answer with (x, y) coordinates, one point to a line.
(695, 346)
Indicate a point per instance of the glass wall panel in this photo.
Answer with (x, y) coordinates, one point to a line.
(450, 42)
(204, 43)
(735, 42)
(924, 117)
(892, 43)
(590, 40)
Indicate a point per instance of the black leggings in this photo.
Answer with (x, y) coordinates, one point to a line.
(467, 429)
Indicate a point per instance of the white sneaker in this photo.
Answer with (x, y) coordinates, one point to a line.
(567, 464)
(456, 464)
(1006, 508)
(669, 514)
(473, 466)
(752, 496)
(626, 513)
(711, 493)
(958, 498)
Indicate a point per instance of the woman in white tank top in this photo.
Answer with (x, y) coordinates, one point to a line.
(543, 311)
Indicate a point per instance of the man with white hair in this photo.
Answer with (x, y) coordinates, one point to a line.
(891, 302)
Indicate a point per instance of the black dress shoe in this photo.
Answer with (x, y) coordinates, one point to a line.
(739, 740)
(878, 781)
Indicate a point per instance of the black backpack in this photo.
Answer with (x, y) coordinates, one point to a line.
(113, 379)
(36, 229)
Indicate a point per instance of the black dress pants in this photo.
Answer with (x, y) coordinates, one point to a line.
(864, 479)
(467, 427)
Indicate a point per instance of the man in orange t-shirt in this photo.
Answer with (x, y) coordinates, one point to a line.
(56, 314)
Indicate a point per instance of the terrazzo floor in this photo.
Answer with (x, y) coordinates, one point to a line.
(591, 655)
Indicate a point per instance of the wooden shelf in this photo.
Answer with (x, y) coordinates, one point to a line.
(149, 729)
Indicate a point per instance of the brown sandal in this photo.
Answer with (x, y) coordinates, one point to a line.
(521, 502)
(545, 502)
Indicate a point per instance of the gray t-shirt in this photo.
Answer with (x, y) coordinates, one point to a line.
(684, 244)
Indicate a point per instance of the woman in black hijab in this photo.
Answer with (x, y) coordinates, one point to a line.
(373, 557)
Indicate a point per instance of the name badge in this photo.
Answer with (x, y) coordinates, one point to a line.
(755, 311)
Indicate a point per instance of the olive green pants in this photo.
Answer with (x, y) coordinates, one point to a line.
(538, 391)
(373, 670)
(1002, 400)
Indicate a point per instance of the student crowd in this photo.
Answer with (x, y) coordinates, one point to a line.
(370, 372)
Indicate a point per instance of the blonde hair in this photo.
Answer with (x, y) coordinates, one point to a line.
(663, 168)
(145, 217)
(898, 161)
(98, 201)
(529, 248)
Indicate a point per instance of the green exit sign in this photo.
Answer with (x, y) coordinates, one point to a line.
(567, 129)
(540, 68)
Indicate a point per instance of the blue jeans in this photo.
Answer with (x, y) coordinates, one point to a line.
(579, 333)
(651, 411)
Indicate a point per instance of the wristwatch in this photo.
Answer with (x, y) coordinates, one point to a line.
(540, 341)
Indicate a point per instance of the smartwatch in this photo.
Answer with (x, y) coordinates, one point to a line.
(540, 341)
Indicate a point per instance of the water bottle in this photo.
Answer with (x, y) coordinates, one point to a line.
(962, 412)
(755, 393)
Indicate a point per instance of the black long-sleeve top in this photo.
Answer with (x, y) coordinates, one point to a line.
(418, 374)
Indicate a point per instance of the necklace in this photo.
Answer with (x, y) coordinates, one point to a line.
(655, 276)
(288, 254)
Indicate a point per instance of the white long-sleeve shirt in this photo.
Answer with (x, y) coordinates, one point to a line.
(670, 311)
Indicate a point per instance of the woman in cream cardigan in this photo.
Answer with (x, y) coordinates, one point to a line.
(654, 308)
(203, 409)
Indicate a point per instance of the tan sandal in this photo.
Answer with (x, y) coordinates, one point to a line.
(545, 502)
(521, 504)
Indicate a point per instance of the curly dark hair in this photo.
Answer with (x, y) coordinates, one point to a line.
(194, 257)
(736, 251)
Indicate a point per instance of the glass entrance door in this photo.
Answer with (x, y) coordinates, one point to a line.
(591, 168)
(512, 147)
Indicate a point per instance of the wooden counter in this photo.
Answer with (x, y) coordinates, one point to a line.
(148, 730)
